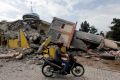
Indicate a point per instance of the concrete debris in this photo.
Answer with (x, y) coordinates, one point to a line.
(3, 50)
(15, 53)
(60, 29)
(111, 55)
(108, 57)
(115, 53)
(96, 59)
(92, 38)
(19, 56)
(27, 51)
(10, 54)
(87, 56)
(33, 31)
(92, 41)
(110, 44)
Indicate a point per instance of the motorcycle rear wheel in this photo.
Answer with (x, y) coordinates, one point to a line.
(47, 71)
(78, 70)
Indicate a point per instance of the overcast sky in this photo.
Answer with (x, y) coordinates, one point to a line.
(97, 12)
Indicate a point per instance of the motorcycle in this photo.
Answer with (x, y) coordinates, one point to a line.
(50, 67)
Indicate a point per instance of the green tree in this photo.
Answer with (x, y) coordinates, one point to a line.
(85, 27)
(93, 30)
(109, 35)
(115, 30)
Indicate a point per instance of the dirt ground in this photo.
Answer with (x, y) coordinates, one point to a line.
(113, 65)
(30, 70)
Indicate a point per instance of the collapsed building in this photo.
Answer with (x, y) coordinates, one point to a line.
(60, 29)
(78, 39)
(93, 41)
(66, 32)
(33, 27)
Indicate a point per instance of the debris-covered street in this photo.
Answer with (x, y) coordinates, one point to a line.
(27, 70)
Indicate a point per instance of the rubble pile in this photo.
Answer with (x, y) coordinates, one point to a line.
(3, 50)
(10, 53)
(11, 30)
(98, 55)
(6, 53)
(34, 33)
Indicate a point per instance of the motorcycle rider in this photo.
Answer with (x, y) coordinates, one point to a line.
(62, 56)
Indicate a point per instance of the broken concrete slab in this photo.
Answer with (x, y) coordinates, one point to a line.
(88, 37)
(93, 41)
(62, 30)
(10, 53)
(110, 44)
(20, 56)
(107, 56)
(4, 56)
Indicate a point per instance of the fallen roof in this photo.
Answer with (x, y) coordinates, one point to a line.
(65, 21)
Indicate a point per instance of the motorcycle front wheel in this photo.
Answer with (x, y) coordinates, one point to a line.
(47, 70)
(78, 70)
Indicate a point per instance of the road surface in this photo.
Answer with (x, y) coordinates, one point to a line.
(20, 70)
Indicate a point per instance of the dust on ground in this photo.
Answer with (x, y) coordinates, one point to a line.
(27, 69)
(113, 65)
